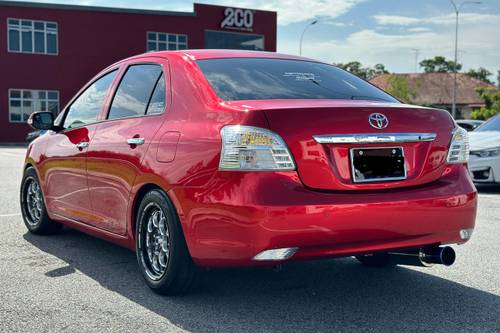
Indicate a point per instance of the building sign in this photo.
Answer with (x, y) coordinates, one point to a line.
(238, 19)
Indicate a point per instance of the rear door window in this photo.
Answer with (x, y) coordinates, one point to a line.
(87, 106)
(137, 93)
(261, 78)
(157, 102)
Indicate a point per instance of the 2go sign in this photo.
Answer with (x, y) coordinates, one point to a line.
(237, 18)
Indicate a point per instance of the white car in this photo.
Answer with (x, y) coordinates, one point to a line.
(484, 162)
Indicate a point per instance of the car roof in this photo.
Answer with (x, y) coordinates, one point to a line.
(202, 54)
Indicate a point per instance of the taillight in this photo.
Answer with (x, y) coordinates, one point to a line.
(459, 147)
(247, 148)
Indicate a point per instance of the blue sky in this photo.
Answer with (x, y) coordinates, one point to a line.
(370, 31)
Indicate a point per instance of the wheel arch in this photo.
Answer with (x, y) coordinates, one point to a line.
(139, 195)
(30, 163)
(136, 201)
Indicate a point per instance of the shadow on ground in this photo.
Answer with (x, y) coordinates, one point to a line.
(327, 295)
(488, 189)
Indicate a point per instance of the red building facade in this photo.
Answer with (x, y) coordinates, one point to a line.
(48, 51)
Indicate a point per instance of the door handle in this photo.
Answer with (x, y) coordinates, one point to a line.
(135, 141)
(82, 145)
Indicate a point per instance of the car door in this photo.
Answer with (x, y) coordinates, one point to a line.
(64, 166)
(121, 141)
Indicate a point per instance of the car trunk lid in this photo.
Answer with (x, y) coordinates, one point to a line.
(326, 164)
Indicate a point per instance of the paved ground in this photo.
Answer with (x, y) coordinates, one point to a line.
(77, 283)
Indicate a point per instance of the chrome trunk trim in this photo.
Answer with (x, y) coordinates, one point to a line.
(375, 138)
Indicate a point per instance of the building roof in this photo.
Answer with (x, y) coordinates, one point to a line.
(437, 88)
(105, 9)
(92, 8)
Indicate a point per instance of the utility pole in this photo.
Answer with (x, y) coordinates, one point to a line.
(457, 12)
(417, 51)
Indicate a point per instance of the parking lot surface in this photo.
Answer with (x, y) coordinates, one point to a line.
(74, 282)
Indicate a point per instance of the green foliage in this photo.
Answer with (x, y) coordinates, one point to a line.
(398, 87)
(439, 64)
(378, 69)
(480, 74)
(491, 100)
(498, 78)
(356, 68)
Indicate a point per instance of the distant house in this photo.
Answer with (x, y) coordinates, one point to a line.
(436, 90)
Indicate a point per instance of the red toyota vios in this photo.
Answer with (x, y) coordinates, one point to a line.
(232, 158)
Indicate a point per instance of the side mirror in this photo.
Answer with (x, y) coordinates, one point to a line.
(43, 120)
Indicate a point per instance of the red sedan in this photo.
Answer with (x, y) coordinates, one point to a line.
(231, 158)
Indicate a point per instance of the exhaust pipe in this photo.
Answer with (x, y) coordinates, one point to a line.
(424, 257)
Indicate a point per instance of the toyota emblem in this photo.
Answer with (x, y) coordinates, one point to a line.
(378, 121)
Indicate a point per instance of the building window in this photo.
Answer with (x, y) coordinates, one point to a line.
(233, 40)
(24, 102)
(162, 41)
(27, 36)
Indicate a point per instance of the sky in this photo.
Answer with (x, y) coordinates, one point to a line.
(369, 31)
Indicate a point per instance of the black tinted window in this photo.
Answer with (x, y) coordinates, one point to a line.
(157, 102)
(87, 106)
(258, 78)
(135, 91)
(233, 40)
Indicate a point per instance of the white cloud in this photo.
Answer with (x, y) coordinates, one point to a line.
(419, 29)
(336, 24)
(395, 50)
(291, 11)
(465, 18)
(395, 20)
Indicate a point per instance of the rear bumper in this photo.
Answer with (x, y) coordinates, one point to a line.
(242, 214)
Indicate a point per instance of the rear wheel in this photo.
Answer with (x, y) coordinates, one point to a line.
(376, 260)
(33, 208)
(161, 249)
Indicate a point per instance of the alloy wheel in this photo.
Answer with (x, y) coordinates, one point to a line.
(156, 241)
(33, 203)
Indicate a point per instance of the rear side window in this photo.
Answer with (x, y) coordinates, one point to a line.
(157, 102)
(137, 90)
(259, 78)
(87, 106)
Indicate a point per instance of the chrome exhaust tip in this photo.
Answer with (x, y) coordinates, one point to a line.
(439, 255)
(424, 257)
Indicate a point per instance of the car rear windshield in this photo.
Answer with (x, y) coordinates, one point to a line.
(260, 78)
(491, 125)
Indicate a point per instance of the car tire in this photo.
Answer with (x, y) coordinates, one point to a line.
(161, 248)
(33, 208)
(376, 260)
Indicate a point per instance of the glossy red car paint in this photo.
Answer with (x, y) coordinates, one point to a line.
(229, 216)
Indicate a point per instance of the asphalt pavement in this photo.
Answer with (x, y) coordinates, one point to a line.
(73, 282)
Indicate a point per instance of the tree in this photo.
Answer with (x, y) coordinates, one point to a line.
(491, 106)
(439, 64)
(498, 78)
(356, 68)
(480, 74)
(398, 86)
(379, 69)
